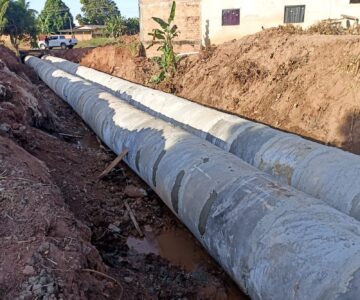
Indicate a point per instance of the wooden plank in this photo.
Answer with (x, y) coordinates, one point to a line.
(133, 219)
(114, 164)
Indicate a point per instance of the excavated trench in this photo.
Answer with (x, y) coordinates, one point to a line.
(146, 266)
(277, 211)
(65, 234)
(166, 263)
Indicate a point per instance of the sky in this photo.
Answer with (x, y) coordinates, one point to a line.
(128, 8)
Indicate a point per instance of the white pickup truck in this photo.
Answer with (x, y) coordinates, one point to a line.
(57, 41)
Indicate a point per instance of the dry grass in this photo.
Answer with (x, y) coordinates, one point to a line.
(353, 66)
(328, 27)
(290, 28)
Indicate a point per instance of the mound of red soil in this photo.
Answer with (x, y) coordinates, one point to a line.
(305, 84)
(43, 248)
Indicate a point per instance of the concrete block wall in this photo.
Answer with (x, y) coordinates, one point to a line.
(188, 19)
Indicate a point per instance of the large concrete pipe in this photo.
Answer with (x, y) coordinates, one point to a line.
(274, 241)
(323, 172)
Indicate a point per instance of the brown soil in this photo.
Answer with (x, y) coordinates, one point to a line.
(299, 82)
(67, 235)
(125, 59)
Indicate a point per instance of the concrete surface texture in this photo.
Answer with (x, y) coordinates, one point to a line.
(323, 172)
(275, 242)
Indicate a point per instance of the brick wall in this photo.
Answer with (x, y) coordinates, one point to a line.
(188, 19)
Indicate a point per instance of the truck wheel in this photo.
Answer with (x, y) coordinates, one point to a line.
(63, 46)
(70, 46)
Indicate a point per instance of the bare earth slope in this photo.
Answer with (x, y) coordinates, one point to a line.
(302, 83)
(306, 84)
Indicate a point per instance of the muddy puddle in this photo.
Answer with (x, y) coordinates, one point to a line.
(180, 249)
(89, 140)
(176, 246)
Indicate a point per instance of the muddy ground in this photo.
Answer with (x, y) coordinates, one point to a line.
(65, 234)
(298, 82)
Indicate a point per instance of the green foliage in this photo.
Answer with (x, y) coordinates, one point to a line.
(165, 36)
(21, 23)
(97, 12)
(4, 4)
(115, 27)
(132, 26)
(95, 42)
(80, 19)
(54, 17)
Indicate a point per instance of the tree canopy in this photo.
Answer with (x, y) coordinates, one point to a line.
(20, 22)
(115, 26)
(54, 17)
(97, 12)
(132, 25)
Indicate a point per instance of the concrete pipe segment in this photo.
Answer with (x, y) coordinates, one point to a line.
(323, 172)
(274, 241)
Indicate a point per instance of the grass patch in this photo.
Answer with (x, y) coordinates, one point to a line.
(132, 43)
(96, 42)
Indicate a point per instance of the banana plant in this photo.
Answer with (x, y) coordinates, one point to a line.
(4, 4)
(165, 36)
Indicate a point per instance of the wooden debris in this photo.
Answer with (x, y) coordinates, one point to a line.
(71, 135)
(107, 277)
(133, 219)
(114, 164)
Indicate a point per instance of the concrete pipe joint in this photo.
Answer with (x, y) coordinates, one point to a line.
(323, 172)
(274, 241)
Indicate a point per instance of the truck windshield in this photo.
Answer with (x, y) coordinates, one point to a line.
(62, 36)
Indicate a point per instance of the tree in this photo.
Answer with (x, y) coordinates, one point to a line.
(81, 20)
(21, 22)
(132, 25)
(97, 12)
(115, 26)
(54, 17)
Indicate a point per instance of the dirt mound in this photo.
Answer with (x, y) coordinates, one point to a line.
(43, 248)
(298, 82)
(21, 102)
(308, 84)
(74, 55)
(13, 63)
(123, 59)
(120, 61)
